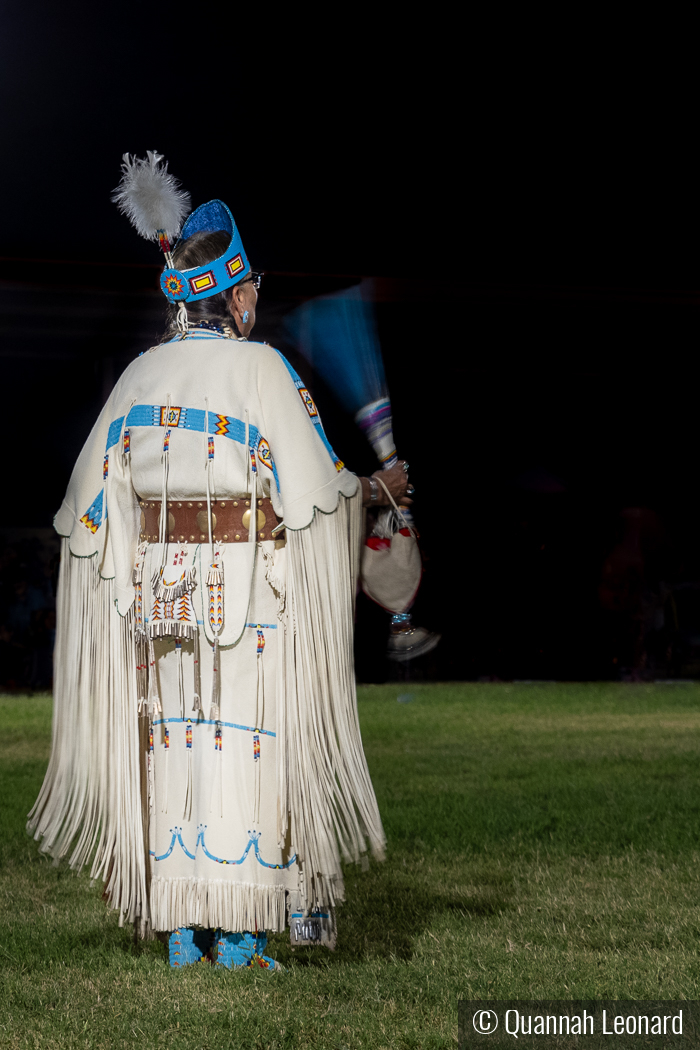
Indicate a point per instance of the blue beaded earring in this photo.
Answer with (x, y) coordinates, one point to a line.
(245, 317)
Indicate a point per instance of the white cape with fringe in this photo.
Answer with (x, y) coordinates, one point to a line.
(94, 804)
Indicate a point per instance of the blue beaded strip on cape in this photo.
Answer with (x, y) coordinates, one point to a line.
(184, 418)
(312, 410)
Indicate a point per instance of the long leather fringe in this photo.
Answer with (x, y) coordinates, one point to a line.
(90, 801)
(217, 903)
(325, 792)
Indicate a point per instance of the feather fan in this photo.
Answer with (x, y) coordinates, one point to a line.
(150, 197)
(338, 335)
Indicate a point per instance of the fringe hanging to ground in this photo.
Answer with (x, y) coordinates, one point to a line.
(216, 903)
(90, 801)
(323, 780)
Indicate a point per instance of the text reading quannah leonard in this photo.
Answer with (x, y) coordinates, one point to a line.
(484, 1023)
(517, 1023)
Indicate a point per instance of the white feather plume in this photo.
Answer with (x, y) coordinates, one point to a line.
(150, 198)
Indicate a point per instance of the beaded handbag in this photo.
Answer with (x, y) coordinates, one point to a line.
(391, 566)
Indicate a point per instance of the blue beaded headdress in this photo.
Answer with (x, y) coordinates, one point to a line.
(155, 204)
(212, 277)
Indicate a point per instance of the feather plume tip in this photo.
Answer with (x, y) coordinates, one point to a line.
(150, 197)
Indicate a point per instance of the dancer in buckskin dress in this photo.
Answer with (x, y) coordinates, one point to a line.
(206, 748)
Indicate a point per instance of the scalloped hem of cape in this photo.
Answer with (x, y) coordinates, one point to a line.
(84, 544)
(299, 514)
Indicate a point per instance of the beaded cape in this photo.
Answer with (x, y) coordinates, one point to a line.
(197, 417)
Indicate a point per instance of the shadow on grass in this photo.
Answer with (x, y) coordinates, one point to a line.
(388, 909)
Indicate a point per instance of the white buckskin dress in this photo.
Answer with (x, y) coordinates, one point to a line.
(206, 747)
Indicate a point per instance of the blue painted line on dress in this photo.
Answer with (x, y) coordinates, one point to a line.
(254, 836)
(267, 626)
(187, 852)
(213, 722)
(171, 847)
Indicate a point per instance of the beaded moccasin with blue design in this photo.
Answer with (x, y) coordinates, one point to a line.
(187, 946)
(235, 950)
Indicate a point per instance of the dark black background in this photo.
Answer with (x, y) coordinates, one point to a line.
(529, 187)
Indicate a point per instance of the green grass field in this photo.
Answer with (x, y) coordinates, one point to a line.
(543, 841)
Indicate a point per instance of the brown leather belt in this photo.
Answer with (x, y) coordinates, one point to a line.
(230, 520)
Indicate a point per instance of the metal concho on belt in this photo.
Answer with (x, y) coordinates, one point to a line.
(187, 520)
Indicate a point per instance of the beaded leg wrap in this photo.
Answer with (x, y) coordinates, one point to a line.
(187, 946)
(235, 950)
